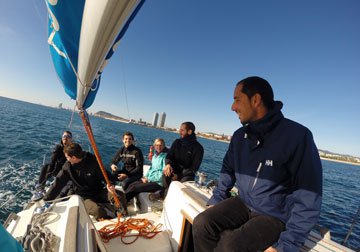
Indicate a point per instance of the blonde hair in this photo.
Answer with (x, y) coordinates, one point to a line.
(159, 140)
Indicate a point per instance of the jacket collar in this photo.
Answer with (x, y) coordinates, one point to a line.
(256, 130)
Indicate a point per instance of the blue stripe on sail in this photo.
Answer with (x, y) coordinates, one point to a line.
(69, 16)
(124, 29)
(92, 93)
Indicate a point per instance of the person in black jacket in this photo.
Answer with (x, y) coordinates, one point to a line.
(57, 161)
(83, 170)
(184, 157)
(132, 159)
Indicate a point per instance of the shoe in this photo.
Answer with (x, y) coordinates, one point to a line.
(37, 196)
(39, 187)
(154, 196)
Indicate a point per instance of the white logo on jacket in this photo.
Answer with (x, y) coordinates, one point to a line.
(269, 162)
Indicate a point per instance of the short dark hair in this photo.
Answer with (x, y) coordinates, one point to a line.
(74, 149)
(256, 85)
(128, 133)
(189, 126)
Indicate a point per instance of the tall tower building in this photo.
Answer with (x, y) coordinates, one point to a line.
(155, 119)
(162, 119)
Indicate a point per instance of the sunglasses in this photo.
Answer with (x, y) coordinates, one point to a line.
(66, 136)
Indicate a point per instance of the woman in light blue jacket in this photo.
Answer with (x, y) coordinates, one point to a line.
(152, 181)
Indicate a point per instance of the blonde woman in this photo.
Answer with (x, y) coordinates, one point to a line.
(152, 181)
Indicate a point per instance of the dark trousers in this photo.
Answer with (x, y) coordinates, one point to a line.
(137, 187)
(129, 180)
(167, 181)
(46, 172)
(93, 207)
(231, 226)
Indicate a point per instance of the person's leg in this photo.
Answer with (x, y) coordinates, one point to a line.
(166, 181)
(95, 209)
(129, 180)
(43, 175)
(187, 178)
(144, 187)
(208, 225)
(67, 190)
(132, 189)
(259, 233)
(122, 199)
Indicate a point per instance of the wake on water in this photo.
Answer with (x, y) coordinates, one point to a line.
(17, 184)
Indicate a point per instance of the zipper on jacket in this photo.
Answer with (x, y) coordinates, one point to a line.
(257, 175)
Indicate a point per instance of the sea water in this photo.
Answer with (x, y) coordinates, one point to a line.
(29, 132)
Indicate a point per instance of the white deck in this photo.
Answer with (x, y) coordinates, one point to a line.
(183, 202)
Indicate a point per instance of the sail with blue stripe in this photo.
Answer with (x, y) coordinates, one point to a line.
(82, 37)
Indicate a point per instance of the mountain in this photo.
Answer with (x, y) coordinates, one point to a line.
(107, 115)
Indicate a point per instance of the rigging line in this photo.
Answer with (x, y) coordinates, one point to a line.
(72, 117)
(124, 81)
(351, 227)
(87, 125)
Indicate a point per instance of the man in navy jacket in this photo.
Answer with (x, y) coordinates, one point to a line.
(275, 165)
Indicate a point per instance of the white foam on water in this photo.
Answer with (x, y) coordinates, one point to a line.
(17, 182)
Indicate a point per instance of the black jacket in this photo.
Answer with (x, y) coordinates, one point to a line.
(58, 159)
(133, 160)
(185, 156)
(86, 178)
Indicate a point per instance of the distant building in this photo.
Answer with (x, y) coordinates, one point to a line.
(162, 119)
(155, 119)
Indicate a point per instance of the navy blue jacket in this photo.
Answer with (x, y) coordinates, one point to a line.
(275, 165)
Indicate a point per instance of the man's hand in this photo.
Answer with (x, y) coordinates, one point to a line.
(110, 188)
(114, 167)
(270, 249)
(168, 170)
(144, 179)
(122, 176)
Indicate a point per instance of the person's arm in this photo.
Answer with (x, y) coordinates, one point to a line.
(197, 158)
(116, 159)
(306, 171)
(54, 156)
(227, 178)
(170, 156)
(139, 162)
(60, 181)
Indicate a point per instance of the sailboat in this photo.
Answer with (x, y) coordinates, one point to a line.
(83, 36)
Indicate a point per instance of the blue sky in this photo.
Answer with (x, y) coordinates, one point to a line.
(185, 57)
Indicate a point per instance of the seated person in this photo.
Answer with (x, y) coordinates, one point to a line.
(152, 181)
(184, 157)
(133, 161)
(57, 161)
(83, 170)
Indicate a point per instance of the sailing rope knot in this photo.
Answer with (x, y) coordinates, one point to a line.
(142, 227)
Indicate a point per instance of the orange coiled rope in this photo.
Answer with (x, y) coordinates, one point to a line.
(143, 228)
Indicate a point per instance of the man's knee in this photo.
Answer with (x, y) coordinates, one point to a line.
(199, 223)
(94, 209)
